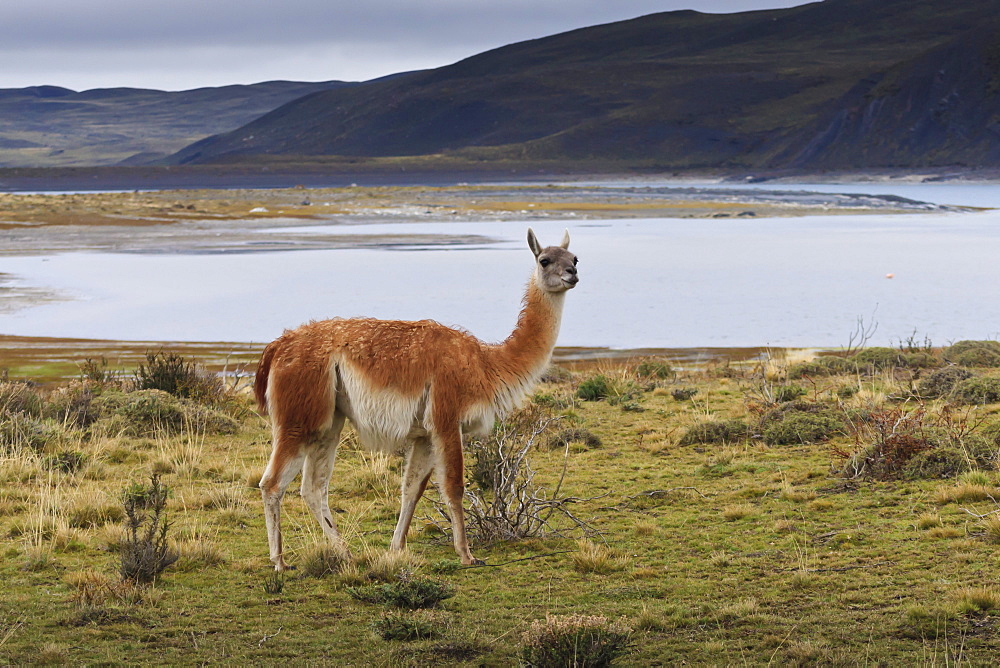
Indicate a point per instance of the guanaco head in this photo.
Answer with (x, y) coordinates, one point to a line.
(555, 269)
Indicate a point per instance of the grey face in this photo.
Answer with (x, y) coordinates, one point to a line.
(556, 266)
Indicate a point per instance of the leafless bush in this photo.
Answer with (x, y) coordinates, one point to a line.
(504, 502)
(885, 440)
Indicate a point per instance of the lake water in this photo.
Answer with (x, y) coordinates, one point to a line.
(645, 283)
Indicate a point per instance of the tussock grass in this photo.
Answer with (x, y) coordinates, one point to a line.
(945, 532)
(200, 550)
(734, 552)
(963, 492)
(991, 528)
(321, 559)
(386, 565)
(592, 557)
(738, 511)
(977, 599)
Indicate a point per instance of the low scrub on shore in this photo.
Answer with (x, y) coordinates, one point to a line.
(750, 513)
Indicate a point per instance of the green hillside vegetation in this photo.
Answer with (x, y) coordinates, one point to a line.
(765, 89)
(49, 126)
(840, 509)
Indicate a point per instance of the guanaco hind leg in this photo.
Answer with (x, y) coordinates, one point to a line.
(286, 461)
(419, 465)
(316, 472)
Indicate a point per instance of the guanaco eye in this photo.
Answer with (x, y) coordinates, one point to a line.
(575, 260)
(545, 262)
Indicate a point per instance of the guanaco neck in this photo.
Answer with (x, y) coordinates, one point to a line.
(526, 352)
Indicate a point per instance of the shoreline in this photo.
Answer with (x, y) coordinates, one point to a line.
(418, 172)
(50, 359)
(300, 218)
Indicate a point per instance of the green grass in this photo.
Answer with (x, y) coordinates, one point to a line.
(742, 553)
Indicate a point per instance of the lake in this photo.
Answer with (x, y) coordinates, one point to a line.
(645, 283)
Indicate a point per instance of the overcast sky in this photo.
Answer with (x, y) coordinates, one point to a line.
(182, 44)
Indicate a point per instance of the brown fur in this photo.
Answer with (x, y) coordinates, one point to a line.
(301, 381)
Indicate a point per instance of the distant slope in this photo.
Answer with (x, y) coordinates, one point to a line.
(941, 108)
(678, 89)
(48, 126)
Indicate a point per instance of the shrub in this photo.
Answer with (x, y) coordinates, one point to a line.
(20, 432)
(654, 369)
(67, 461)
(716, 431)
(551, 400)
(89, 517)
(173, 374)
(936, 462)
(828, 365)
(575, 640)
(885, 441)
(618, 391)
(97, 371)
(878, 358)
(785, 393)
(847, 391)
(409, 592)
(941, 382)
(683, 393)
(151, 412)
(556, 374)
(779, 413)
(973, 353)
(504, 503)
(144, 552)
(19, 397)
(807, 369)
(274, 583)
(919, 360)
(74, 405)
(406, 626)
(575, 435)
(836, 364)
(798, 427)
(626, 395)
(980, 390)
(594, 388)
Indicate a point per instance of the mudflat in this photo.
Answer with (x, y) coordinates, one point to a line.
(233, 219)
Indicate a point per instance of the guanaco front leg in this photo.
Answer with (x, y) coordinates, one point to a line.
(451, 480)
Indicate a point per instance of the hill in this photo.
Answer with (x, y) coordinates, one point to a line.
(49, 126)
(682, 89)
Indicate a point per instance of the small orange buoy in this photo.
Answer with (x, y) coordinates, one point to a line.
(889, 275)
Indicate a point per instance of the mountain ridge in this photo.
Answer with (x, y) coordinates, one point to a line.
(678, 89)
(52, 126)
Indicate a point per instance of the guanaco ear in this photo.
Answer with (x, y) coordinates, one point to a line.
(533, 244)
(565, 241)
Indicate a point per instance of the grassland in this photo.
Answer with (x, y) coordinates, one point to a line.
(833, 511)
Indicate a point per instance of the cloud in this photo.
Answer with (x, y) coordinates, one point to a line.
(191, 43)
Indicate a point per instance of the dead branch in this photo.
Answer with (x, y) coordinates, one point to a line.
(838, 569)
(514, 561)
(978, 516)
(268, 637)
(504, 503)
